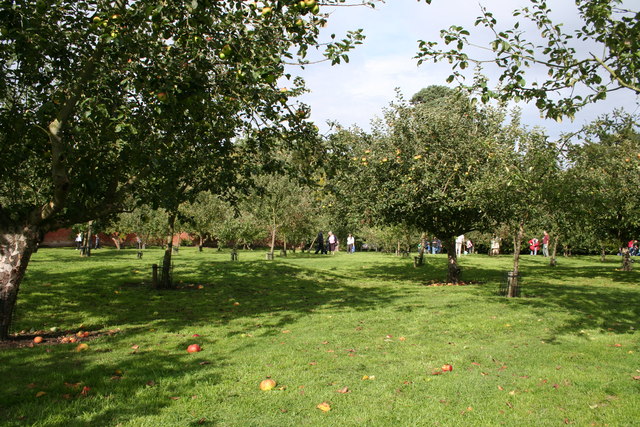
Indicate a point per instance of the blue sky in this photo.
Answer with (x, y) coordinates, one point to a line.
(355, 93)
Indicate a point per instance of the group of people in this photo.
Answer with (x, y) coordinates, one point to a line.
(332, 244)
(634, 248)
(534, 245)
(463, 246)
(432, 247)
(79, 238)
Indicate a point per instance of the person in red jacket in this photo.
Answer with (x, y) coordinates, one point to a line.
(534, 244)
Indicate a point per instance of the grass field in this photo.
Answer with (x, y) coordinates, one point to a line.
(362, 333)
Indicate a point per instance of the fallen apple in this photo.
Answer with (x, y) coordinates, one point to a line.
(37, 340)
(447, 368)
(193, 348)
(82, 347)
(268, 384)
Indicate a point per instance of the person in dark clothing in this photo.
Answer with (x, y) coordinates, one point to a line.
(320, 247)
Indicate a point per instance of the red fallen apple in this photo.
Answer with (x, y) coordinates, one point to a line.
(195, 335)
(447, 368)
(193, 348)
(37, 340)
(268, 384)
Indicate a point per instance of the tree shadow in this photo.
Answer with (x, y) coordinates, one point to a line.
(207, 290)
(81, 391)
(609, 309)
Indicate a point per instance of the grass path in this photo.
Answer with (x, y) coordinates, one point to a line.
(365, 324)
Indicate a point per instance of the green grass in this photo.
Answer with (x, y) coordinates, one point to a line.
(566, 352)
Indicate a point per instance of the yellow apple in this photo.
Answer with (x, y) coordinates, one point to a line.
(268, 384)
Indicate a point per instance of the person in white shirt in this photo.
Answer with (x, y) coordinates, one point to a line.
(351, 244)
(459, 243)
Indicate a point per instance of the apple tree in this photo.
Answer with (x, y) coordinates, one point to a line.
(427, 166)
(94, 97)
(607, 165)
(582, 66)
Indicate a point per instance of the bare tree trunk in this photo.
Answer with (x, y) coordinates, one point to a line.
(453, 270)
(423, 244)
(603, 253)
(116, 241)
(517, 246)
(626, 259)
(273, 238)
(165, 281)
(16, 247)
(86, 246)
(553, 262)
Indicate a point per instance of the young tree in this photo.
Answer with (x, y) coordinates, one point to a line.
(522, 190)
(203, 215)
(277, 203)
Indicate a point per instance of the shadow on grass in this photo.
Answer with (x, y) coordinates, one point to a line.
(138, 384)
(208, 291)
(111, 289)
(613, 307)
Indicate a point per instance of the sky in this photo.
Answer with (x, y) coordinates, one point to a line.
(356, 92)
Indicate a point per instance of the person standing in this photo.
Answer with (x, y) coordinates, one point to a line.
(351, 244)
(320, 243)
(469, 246)
(78, 241)
(545, 244)
(495, 246)
(333, 242)
(459, 243)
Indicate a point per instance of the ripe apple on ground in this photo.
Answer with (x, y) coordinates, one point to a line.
(193, 348)
(447, 368)
(268, 384)
(37, 340)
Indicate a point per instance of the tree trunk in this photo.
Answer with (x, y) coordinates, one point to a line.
(86, 251)
(453, 270)
(423, 244)
(553, 262)
(200, 242)
(116, 241)
(165, 280)
(273, 238)
(603, 254)
(512, 280)
(626, 259)
(16, 247)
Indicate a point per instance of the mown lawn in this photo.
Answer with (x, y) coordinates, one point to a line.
(363, 333)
